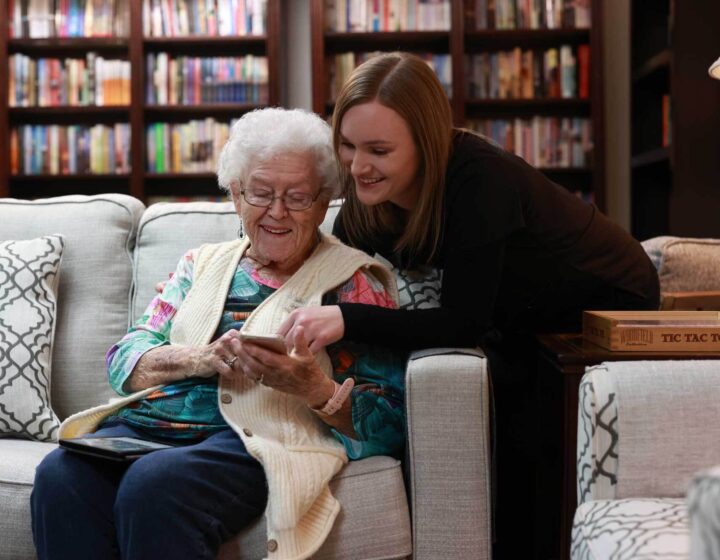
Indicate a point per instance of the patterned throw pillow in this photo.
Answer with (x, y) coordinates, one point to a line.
(28, 300)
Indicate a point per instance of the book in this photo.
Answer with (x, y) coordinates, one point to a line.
(112, 448)
(641, 331)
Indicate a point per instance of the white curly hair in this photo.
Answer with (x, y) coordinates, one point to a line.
(264, 133)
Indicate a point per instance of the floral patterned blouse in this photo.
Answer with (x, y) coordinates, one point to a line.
(187, 410)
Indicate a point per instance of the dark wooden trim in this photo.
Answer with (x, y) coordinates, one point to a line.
(137, 96)
(457, 55)
(4, 119)
(597, 97)
(319, 75)
(272, 50)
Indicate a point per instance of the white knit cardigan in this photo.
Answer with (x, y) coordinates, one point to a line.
(299, 454)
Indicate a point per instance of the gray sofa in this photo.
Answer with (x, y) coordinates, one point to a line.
(115, 250)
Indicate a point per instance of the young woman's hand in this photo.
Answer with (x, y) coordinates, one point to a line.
(322, 325)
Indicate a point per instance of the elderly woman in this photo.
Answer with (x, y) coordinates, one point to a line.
(255, 430)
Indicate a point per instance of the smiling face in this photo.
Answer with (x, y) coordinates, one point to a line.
(281, 239)
(378, 149)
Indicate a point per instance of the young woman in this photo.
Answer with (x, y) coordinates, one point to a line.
(507, 249)
(487, 251)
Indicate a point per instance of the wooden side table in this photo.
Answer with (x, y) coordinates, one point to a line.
(562, 359)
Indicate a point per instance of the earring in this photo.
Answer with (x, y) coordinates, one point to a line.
(241, 231)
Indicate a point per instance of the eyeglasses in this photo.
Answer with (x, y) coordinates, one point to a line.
(292, 201)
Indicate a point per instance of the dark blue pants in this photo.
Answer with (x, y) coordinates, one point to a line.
(175, 503)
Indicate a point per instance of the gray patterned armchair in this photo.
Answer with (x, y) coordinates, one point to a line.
(644, 430)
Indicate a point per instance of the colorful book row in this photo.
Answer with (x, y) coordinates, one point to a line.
(542, 141)
(52, 82)
(65, 150)
(191, 80)
(39, 19)
(361, 16)
(345, 63)
(225, 18)
(191, 147)
(526, 74)
(530, 14)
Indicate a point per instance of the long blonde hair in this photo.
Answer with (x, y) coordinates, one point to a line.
(406, 84)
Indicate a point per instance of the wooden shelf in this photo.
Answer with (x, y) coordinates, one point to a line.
(655, 65)
(427, 41)
(72, 177)
(68, 45)
(529, 38)
(198, 45)
(22, 112)
(543, 106)
(176, 176)
(204, 108)
(651, 157)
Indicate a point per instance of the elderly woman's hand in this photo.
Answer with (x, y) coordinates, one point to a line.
(221, 356)
(296, 372)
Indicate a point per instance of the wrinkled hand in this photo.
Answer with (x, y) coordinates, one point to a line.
(296, 372)
(221, 356)
(321, 325)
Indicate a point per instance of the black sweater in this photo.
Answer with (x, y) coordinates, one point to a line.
(518, 253)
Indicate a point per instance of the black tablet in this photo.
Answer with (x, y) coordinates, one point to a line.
(114, 448)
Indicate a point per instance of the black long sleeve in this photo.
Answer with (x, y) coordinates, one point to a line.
(470, 282)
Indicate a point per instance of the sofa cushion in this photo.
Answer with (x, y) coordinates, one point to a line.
(29, 272)
(94, 290)
(629, 529)
(374, 521)
(168, 230)
(18, 459)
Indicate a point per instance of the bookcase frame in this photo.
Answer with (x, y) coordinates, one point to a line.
(675, 189)
(135, 47)
(459, 41)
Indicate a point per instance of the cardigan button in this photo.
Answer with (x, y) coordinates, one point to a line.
(247, 432)
(272, 545)
(226, 398)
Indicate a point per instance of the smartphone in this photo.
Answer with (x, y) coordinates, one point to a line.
(273, 342)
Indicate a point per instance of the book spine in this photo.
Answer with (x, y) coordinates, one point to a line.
(667, 338)
(597, 330)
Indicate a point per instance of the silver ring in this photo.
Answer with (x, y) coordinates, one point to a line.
(231, 361)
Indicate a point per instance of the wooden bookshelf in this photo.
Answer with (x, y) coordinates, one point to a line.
(675, 165)
(463, 39)
(139, 114)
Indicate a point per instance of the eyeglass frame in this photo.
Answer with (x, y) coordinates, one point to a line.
(282, 199)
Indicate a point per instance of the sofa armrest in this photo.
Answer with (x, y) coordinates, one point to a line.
(703, 503)
(645, 427)
(448, 417)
